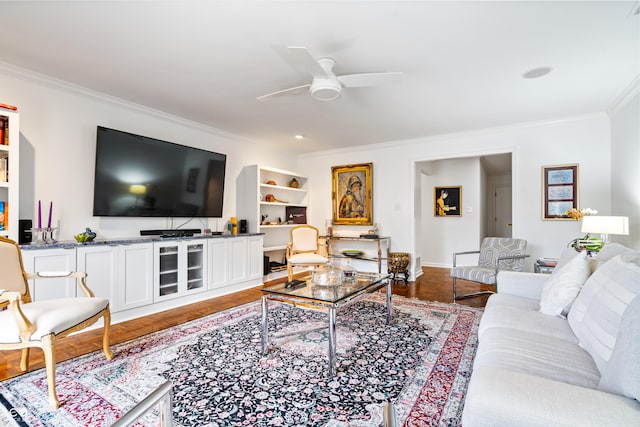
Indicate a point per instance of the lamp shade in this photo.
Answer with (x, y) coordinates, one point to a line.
(605, 224)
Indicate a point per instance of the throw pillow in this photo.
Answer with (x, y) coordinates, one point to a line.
(563, 286)
(622, 375)
(596, 315)
(566, 256)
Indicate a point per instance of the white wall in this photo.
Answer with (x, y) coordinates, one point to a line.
(625, 170)
(441, 236)
(57, 135)
(584, 140)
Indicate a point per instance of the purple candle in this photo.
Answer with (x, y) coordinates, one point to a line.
(39, 214)
(50, 210)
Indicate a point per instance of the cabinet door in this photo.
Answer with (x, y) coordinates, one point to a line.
(135, 275)
(255, 257)
(166, 270)
(101, 265)
(50, 260)
(196, 265)
(239, 260)
(218, 262)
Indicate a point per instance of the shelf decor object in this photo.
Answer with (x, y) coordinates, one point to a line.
(560, 191)
(352, 194)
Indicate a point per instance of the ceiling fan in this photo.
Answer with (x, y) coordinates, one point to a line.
(325, 85)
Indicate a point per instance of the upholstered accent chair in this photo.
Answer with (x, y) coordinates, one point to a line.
(305, 249)
(25, 324)
(496, 253)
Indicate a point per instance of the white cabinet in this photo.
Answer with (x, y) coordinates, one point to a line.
(235, 260)
(50, 260)
(180, 268)
(101, 265)
(135, 275)
(9, 173)
(273, 201)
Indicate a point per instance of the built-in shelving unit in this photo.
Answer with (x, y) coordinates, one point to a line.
(272, 201)
(9, 172)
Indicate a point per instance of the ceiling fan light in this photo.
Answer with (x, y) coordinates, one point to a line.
(325, 89)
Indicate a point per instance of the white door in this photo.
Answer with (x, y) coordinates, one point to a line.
(502, 209)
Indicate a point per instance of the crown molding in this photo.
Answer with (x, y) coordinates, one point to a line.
(625, 97)
(52, 82)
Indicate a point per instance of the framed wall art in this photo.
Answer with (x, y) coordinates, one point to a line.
(447, 201)
(352, 194)
(559, 190)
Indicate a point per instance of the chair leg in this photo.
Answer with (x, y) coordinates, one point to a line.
(289, 272)
(454, 290)
(49, 349)
(470, 295)
(24, 360)
(105, 338)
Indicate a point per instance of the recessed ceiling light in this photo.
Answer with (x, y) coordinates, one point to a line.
(536, 72)
(299, 136)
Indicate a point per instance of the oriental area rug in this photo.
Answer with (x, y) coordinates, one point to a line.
(421, 363)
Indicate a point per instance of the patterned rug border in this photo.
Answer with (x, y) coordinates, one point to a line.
(431, 391)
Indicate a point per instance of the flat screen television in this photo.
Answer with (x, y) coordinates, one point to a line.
(137, 176)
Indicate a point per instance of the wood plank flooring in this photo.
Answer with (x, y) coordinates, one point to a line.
(434, 285)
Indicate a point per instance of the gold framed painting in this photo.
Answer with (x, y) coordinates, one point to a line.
(559, 190)
(447, 201)
(352, 194)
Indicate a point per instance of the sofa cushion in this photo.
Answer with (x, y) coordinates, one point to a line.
(622, 375)
(537, 354)
(521, 314)
(597, 313)
(500, 397)
(563, 285)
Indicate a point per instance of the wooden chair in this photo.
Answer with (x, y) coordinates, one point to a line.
(304, 249)
(26, 324)
(496, 253)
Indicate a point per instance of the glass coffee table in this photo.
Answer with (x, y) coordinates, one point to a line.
(327, 299)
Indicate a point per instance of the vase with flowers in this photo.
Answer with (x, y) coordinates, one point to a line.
(588, 243)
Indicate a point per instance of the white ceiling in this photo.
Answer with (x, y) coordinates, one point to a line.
(463, 61)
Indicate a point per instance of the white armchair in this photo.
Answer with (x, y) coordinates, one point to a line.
(26, 324)
(305, 249)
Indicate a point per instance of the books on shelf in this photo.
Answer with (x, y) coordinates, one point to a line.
(4, 215)
(4, 169)
(547, 262)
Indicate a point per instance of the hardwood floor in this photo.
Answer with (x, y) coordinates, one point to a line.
(434, 285)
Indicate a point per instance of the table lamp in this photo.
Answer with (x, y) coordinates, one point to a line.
(605, 225)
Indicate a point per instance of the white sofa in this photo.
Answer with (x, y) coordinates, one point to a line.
(537, 369)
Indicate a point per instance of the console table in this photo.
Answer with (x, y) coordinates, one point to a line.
(363, 242)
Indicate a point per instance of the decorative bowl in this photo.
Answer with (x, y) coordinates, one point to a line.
(327, 276)
(352, 253)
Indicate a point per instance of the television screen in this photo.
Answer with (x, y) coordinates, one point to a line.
(145, 177)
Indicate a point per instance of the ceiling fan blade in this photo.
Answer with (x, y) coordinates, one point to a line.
(281, 92)
(370, 79)
(305, 61)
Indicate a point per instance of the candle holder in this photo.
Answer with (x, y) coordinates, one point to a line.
(44, 235)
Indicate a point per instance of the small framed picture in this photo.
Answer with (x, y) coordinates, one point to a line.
(448, 201)
(559, 190)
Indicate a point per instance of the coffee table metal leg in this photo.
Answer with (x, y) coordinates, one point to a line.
(389, 306)
(332, 341)
(265, 326)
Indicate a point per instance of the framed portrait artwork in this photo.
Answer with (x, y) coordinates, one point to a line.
(559, 190)
(447, 201)
(352, 194)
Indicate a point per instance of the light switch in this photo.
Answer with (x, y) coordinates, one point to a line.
(469, 209)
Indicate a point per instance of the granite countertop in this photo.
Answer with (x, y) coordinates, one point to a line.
(68, 244)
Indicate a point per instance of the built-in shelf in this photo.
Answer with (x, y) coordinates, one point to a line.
(252, 205)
